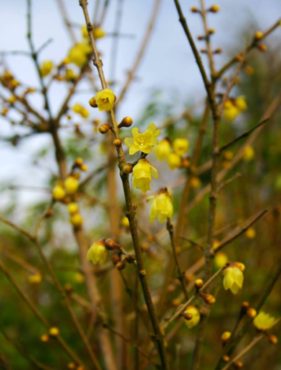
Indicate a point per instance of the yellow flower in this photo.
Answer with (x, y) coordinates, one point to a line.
(58, 192)
(195, 182)
(233, 277)
(249, 153)
(81, 110)
(46, 68)
(163, 149)
(180, 146)
(264, 321)
(143, 142)
(250, 233)
(104, 100)
(98, 32)
(125, 221)
(73, 208)
(54, 331)
(70, 74)
(97, 253)
(71, 185)
(220, 260)
(35, 278)
(192, 316)
(76, 219)
(142, 175)
(161, 207)
(79, 53)
(230, 111)
(174, 161)
(241, 103)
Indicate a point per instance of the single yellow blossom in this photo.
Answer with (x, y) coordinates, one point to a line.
(249, 153)
(142, 142)
(79, 53)
(125, 221)
(142, 175)
(195, 182)
(44, 338)
(70, 74)
(71, 185)
(54, 331)
(226, 335)
(174, 161)
(161, 207)
(46, 68)
(81, 110)
(264, 321)
(35, 278)
(192, 316)
(73, 208)
(241, 103)
(104, 100)
(98, 32)
(180, 146)
(97, 253)
(233, 277)
(163, 149)
(220, 260)
(11, 99)
(230, 111)
(58, 192)
(250, 233)
(76, 219)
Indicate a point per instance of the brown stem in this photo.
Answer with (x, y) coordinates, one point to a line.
(128, 200)
(180, 276)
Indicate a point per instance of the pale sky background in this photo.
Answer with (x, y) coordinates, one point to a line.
(168, 64)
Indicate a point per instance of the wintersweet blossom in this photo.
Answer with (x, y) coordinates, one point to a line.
(58, 192)
(105, 100)
(161, 206)
(81, 110)
(71, 185)
(142, 142)
(233, 107)
(192, 316)
(174, 161)
(142, 175)
(163, 149)
(97, 253)
(46, 67)
(264, 321)
(98, 32)
(79, 53)
(180, 146)
(233, 277)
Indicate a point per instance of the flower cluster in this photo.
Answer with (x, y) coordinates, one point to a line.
(234, 107)
(172, 153)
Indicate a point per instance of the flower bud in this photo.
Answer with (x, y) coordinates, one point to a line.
(251, 312)
(214, 8)
(104, 128)
(192, 316)
(117, 142)
(54, 331)
(226, 335)
(126, 122)
(198, 283)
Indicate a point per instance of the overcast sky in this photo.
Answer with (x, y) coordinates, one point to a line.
(168, 64)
